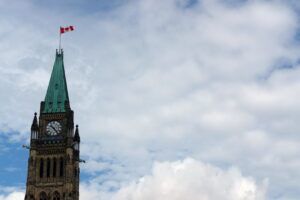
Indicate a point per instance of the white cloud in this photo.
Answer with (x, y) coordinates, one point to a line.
(13, 196)
(187, 179)
(11, 193)
(198, 83)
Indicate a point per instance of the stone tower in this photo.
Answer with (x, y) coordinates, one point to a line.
(53, 164)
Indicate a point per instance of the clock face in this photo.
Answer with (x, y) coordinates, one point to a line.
(53, 128)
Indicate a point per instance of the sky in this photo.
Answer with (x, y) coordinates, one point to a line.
(175, 99)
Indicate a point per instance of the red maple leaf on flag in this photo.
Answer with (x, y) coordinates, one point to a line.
(66, 29)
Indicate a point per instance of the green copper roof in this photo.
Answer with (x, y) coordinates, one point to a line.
(57, 93)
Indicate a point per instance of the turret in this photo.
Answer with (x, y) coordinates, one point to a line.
(34, 127)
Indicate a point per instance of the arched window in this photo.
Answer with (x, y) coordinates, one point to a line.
(41, 168)
(61, 167)
(43, 196)
(54, 167)
(48, 167)
(75, 172)
(56, 196)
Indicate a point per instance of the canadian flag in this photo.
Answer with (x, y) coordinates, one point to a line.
(66, 29)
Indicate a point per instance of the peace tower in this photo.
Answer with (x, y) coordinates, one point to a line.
(53, 164)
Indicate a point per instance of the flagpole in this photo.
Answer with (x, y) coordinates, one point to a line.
(61, 31)
(59, 41)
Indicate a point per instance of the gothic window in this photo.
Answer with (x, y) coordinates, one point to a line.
(43, 196)
(61, 167)
(54, 167)
(48, 167)
(41, 168)
(75, 172)
(56, 196)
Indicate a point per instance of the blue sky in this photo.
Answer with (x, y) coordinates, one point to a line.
(175, 99)
(13, 165)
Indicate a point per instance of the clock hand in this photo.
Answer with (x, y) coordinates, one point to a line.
(54, 128)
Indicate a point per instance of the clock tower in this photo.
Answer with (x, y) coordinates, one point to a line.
(53, 164)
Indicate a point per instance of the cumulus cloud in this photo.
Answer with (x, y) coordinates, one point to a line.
(13, 196)
(11, 193)
(186, 179)
(206, 86)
